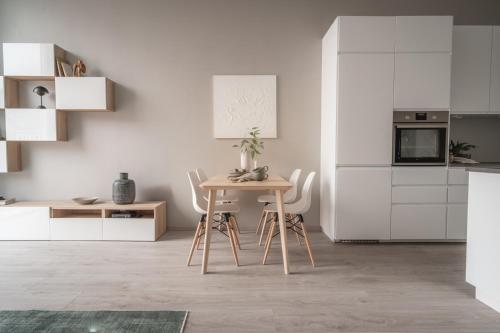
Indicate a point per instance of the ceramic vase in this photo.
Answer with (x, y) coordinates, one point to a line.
(123, 190)
(245, 160)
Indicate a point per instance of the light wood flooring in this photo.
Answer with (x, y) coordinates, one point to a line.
(355, 288)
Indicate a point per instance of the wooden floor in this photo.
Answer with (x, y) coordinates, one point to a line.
(355, 288)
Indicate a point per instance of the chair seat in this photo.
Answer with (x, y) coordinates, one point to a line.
(292, 208)
(264, 198)
(224, 198)
(227, 208)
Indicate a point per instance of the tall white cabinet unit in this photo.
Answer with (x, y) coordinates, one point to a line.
(370, 67)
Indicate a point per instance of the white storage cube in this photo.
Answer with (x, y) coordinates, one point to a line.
(31, 59)
(10, 156)
(35, 125)
(73, 228)
(129, 229)
(84, 94)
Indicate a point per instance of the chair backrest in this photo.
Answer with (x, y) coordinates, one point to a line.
(201, 175)
(304, 202)
(291, 194)
(199, 203)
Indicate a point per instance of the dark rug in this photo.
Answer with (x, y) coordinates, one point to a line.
(92, 321)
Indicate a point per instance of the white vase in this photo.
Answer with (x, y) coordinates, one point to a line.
(254, 164)
(245, 160)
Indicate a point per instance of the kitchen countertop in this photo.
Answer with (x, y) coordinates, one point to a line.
(490, 167)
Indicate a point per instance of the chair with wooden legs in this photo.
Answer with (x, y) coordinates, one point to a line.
(267, 199)
(222, 196)
(223, 220)
(294, 218)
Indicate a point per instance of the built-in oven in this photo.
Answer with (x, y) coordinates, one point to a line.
(420, 138)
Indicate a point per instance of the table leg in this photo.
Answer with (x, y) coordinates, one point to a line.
(282, 224)
(212, 194)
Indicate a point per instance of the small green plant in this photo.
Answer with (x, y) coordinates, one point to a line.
(252, 144)
(460, 149)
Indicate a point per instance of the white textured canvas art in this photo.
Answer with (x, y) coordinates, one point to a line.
(242, 102)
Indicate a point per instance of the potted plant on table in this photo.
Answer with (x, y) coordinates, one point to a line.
(249, 149)
(460, 149)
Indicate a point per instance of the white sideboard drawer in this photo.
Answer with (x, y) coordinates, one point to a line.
(128, 229)
(76, 228)
(419, 176)
(24, 223)
(419, 194)
(456, 221)
(457, 193)
(418, 222)
(458, 176)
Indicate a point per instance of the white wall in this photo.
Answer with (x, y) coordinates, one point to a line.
(163, 54)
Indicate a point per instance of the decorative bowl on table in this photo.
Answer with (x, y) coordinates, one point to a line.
(85, 200)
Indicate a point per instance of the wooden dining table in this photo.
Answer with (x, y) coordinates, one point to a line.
(273, 183)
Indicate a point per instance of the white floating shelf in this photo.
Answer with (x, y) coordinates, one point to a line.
(31, 61)
(35, 125)
(10, 156)
(84, 94)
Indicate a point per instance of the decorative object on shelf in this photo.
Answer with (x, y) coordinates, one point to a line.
(79, 68)
(241, 101)
(40, 91)
(85, 200)
(126, 214)
(460, 149)
(63, 68)
(6, 201)
(257, 174)
(249, 149)
(123, 190)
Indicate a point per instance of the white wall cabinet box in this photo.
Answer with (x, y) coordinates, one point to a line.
(424, 33)
(75, 228)
(456, 221)
(495, 73)
(24, 223)
(367, 33)
(419, 194)
(35, 125)
(365, 99)
(129, 229)
(363, 203)
(84, 94)
(10, 156)
(458, 176)
(471, 69)
(419, 176)
(422, 81)
(31, 60)
(419, 221)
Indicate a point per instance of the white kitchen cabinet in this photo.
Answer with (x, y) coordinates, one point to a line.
(31, 60)
(456, 221)
(72, 228)
(84, 94)
(419, 175)
(470, 74)
(128, 229)
(35, 125)
(419, 194)
(364, 116)
(424, 33)
(24, 223)
(457, 193)
(458, 176)
(363, 203)
(418, 221)
(422, 81)
(495, 73)
(367, 33)
(10, 156)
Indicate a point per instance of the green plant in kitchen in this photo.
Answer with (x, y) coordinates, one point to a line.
(253, 144)
(461, 149)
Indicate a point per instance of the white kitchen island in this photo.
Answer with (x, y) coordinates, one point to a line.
(483, 235)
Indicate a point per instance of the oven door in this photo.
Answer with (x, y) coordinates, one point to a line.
(420, 144)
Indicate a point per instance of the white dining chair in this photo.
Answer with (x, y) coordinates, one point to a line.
(224, 219)
(222, 197)
(294, 220)
(288, 197)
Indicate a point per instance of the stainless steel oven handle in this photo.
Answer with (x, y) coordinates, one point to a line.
(413, 125)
